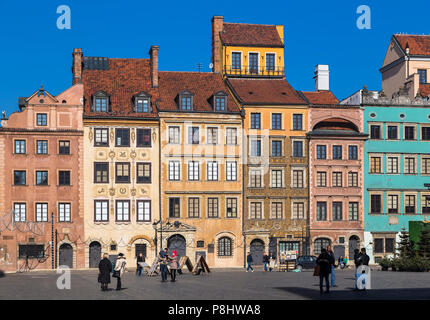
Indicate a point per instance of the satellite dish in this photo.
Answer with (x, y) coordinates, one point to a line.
(211, 65)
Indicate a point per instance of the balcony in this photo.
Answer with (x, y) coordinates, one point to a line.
(252, 72)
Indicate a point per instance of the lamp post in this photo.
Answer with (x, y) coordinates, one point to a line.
(154, 225)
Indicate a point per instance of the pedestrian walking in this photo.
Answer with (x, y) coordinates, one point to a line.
(173, 265)
(266, 261)
(162, 258)
(362, 260)
(272, 262)
(324, 261)
(139, 267)
(249, 260)
(119, 270)
(357, 262)
(332, 273)
(105, 268)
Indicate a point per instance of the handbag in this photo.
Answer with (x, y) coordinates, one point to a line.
(317, 270)
(116, 274)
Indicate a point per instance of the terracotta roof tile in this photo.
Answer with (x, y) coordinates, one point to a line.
(203, 86)
(123, 79)
(425, 89)
(265, 91)
(418, 45)
(251, 35)
(320, 97)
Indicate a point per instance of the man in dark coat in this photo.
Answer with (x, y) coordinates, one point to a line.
(266, 261)
(325, 261)
(249, 260)
(332, 273)
(105, 268)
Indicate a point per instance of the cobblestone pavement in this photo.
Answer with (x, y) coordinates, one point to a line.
(218, 285)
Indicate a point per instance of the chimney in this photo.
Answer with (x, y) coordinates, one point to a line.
(217, 27)
(322, 78)
(77, 65)
(153, 53)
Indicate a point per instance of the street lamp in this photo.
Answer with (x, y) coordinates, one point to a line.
(154, 225)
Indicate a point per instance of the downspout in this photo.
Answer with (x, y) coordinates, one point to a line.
(242, 113)
(159, 186)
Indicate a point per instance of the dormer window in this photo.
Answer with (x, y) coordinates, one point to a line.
(186, 101)
(220, 101)
(142, 103)
(100, 102)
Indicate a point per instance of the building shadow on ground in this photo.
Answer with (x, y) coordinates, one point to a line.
(373, 294)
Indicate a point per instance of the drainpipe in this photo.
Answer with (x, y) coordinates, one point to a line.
(159, 189)
(243, 186)
(308, 219)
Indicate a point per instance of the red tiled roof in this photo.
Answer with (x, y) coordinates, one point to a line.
(265, 91)
(123, 79)
(251, 35)
(320, 97)
(418, 45)
(203, 85)
(425, 89)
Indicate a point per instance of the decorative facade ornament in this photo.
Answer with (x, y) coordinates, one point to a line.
(133, 192)
(133, 154)
(123, 190)
(112, 154)
(133, 135)
(154, 135)
(112, 135)
(112, 192)
(90, 134)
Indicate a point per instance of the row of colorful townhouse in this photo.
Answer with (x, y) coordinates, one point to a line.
(131, 159)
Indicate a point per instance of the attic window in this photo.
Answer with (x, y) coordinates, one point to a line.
(101, 102)
(220, 101)
(186, 101)
(142, 103)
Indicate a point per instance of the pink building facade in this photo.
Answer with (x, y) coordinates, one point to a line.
(336, 147)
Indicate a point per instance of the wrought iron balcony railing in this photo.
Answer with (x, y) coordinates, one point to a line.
(250, 71)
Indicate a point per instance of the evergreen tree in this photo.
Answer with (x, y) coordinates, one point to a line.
(405, 247)
(424, 244)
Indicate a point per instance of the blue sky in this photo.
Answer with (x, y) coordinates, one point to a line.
(33, 51)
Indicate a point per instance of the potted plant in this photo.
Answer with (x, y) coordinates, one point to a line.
(385, 263)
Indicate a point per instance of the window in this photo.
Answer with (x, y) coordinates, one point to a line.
(337, 152)
(276, 179)
(101, 172)
(321, 211)
(31, 251)
(122, 137)
(392, 133)
(409, 133)
(122, 170)
(186, 102)
(143, 172)
(255, 120)
(337, 211)
(41, 119)
(410, 204)
(193, 171)
(64, 147)
(225, 245)
(256, 210)
(276, 210)
(142, 105)
(392, 165)
(64, 212)
(231, 170)
(352, 152)
(276, 121)
(255, 148)
(236, 60)
(101, 104)
(321, 179)
(297, 148)
(375, 164)
(41, 178)
(212, 168)
(425, 165)
(220, 103)
(64, 178)
(231, 208)
(212, 207)
(375, 132)
(289, 246)
(276, 148)
(298, 210)
(19, 210)
(19, 178)
(19, 146)
(425, 133)
(393, 203)
(337, 179)
(298, 179)
(174, 135)
(143, 210)
(174, 171)
(193, 135)
(122, 210)
(378, 246)
(255, 178)
(193, 207)
(231, 136)
(425, 202)
(143, 138)
(253, 63)
(423, 76)
(101, 137)
(101, 210)
(353, 211)
(212, 135)
(321, 152)
(352, 179)
(410, 167)
(375, 204)
(389, 245)
(41, 212)
(174, 208)
(270, 61)
(297, 122)
(42, 147)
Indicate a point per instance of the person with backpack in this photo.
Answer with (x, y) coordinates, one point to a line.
(324, 262)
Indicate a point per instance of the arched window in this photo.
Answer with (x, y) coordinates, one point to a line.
(319, 244)
(225, 247)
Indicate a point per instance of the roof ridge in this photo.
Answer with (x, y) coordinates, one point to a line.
(252, 24)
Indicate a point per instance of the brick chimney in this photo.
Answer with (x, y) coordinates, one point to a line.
(77, 65)
(153, 53)
(217, 27)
